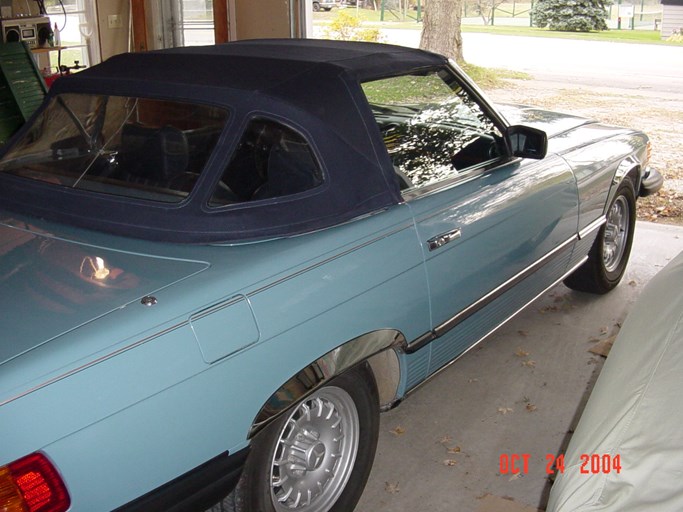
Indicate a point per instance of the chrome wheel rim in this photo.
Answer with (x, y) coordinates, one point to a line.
(315, 452)
(616, 234)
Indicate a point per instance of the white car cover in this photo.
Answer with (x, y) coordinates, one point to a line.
(635, 412)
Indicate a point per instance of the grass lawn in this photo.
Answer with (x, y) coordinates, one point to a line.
(371, 18)
(623, 36)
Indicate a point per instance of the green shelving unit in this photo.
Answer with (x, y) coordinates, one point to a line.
(22, 87)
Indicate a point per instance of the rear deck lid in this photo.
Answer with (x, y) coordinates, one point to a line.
(51, 285)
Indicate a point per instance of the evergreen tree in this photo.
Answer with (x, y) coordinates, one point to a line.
(571, 15)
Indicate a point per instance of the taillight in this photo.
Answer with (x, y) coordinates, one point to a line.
(32, 484)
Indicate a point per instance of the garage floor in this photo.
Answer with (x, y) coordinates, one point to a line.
(519, 392)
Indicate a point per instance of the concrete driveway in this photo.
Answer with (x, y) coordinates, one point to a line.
(655, 68)
(520, 393)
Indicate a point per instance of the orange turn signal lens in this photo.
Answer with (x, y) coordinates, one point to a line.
(32, 484)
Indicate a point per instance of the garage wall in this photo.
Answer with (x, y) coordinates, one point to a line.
(113, 40)
(253, 19)
(22, 8)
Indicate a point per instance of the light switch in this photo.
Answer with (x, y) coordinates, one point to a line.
(114, 21)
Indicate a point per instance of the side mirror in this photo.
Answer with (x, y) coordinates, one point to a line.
(527, 142)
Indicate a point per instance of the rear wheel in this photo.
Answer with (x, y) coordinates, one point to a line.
(317, 457)
(610, 252)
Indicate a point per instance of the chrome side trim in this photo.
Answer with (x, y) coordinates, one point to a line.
(327, 260)
(202, 313)
(449, 324)
(420, 342)
(555, 283)
(95, 361)
(217, 307)
(322, 370)
(593, 226)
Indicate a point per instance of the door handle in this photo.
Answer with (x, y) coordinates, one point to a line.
(442, 239)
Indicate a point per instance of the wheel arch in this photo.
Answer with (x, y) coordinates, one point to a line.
(629, 168)
(379, 349)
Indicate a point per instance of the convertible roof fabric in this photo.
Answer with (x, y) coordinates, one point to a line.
(263, 64)
(312, 85)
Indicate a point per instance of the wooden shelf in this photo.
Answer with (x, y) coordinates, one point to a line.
(48, 49)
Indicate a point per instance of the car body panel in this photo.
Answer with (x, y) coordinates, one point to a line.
(228, 306)
(63, 289)
(586, 146)
(493, 211)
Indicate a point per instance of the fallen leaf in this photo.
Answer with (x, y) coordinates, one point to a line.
(455, 449)
(529, 364)
(516, 477)
(530, 407)
(632, 283)
(521, 352)
(391, 487)
(504, 410)
(445, 440)
(398, 431)
(523, 333)
(603, 347)
(450, 462)
(604, 330)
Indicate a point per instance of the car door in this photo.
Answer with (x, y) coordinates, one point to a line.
(495, 230)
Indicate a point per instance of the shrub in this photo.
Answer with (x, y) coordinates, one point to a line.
(347, 27)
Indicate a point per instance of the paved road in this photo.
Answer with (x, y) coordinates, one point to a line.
(656, 68)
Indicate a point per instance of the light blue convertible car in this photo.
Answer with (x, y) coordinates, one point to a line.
(219, 264)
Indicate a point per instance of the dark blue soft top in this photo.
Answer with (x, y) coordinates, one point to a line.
(311, 85)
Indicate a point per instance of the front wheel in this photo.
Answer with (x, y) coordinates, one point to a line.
(316, 457)
(609, 255)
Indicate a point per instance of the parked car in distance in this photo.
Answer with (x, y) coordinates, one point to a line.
(623, 455)
(215, 282)
(325, 5)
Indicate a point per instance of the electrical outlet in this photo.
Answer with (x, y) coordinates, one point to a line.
(114, 21)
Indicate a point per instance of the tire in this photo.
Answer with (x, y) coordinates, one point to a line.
(291, 456)
(609, 254)
(316, 6)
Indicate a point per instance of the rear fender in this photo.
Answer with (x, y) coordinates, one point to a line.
(378, 348)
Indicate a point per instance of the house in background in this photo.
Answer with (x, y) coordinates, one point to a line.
(672, 17)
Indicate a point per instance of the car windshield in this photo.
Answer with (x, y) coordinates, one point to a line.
(126, 146)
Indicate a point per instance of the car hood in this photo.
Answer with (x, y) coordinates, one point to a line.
(67, 284)
(552, 123)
